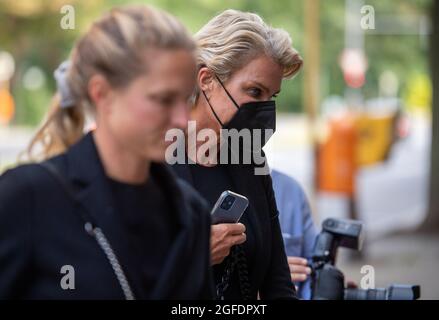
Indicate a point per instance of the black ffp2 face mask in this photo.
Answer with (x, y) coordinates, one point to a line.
(256, 115)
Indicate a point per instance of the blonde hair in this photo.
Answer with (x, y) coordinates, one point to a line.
(231, 39)
(114, 47)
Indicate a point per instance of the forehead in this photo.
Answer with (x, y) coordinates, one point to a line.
(169, 62)
(167, 70)
(261, 69)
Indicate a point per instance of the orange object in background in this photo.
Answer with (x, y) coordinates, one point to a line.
(337, 157)
(7, 107)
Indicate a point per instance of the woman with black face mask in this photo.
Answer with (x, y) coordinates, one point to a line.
(241, 64)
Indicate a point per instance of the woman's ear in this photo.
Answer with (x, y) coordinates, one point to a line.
(205, 79)
(99, 91)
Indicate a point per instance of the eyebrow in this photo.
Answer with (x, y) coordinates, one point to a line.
(263, 87)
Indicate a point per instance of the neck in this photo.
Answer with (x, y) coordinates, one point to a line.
(119, 162)
(202, 115)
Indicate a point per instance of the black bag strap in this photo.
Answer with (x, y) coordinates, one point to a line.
(92, 229)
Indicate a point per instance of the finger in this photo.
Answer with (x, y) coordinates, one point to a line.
(221, 231)
(297, 260)
(218, 229)
(239, 239)
(228, 228)
(298, 277)
(300, 269)
(236, 228)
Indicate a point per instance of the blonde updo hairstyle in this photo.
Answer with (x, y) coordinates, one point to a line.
(114, 47)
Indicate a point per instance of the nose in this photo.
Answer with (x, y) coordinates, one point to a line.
(180, 115)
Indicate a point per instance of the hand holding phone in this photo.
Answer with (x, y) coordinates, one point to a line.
(223, 237)
(226, 231)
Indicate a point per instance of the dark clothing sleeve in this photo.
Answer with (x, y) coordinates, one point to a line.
(202, 213)
(277, 283)
(207, 291)
(16, 199)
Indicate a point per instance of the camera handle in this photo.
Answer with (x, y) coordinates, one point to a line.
(327, 282)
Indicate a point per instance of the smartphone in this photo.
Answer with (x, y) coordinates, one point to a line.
(229, 208)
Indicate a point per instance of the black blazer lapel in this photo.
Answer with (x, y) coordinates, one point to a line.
(85, 171)
(172, 279)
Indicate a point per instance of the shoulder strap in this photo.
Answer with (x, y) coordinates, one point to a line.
(92, 229)
(53, 171)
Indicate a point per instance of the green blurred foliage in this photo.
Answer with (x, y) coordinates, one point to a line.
(34, 37)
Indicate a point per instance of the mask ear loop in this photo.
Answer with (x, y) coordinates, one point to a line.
(211, 108)
(213, 111)
(227, 92)
(234, 102)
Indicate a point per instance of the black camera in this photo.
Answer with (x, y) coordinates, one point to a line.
(327, 282)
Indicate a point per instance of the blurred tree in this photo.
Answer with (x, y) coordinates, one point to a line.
(31, 32)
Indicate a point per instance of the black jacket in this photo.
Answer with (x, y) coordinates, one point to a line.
(41, 230)
(266, 259)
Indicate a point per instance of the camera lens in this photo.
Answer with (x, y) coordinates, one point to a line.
(227, 202)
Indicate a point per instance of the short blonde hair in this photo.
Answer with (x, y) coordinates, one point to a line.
(232, 38)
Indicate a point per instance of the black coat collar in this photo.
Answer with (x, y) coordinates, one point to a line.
(85, 171)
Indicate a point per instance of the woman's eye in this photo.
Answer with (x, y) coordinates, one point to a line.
(255, 92)
(165, 100)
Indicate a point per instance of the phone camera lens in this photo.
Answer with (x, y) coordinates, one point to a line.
(227, 202)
